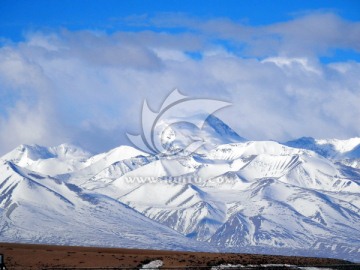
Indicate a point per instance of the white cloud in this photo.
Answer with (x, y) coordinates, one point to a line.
(28, 125)
(288, 63)
(312, 34)
(88, 88)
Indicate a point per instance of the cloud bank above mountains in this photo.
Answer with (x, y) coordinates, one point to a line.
(285, 80)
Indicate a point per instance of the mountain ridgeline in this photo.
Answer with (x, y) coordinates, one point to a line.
(232, 195)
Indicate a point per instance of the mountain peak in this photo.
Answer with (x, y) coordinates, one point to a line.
(67, 149)
(24, 154)
(200, 132)
(330, 148)
(223, 129)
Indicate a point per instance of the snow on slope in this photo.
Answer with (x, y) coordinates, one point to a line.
(39, 209)
(256, 195)
(183, 207)
(111, 161)
(273, 214)
(66, 158)
(346, 152)
(204, 136)
(331, 148)
(49, 160)
(233, 194)
(303, 168)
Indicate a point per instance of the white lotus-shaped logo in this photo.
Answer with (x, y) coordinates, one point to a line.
(176, 108)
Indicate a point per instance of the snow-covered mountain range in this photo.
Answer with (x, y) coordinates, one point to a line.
(301, 197)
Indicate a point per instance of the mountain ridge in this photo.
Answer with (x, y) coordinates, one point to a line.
(234, 195)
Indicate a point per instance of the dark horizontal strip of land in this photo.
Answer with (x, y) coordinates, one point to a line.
(32, 256)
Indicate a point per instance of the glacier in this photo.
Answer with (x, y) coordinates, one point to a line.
(232, 195)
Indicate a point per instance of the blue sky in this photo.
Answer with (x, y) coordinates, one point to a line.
(78, 71)
(19, 16)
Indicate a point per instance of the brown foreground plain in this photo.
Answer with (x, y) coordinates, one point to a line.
(30, 256)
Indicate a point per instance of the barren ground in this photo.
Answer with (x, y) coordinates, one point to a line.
(28, 256)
